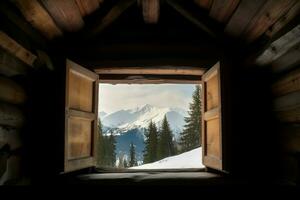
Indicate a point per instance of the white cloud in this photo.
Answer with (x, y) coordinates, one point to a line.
(122, 96)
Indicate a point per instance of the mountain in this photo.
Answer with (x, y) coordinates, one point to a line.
(138, 118)
(102, 114)
(129, 126)
(189, 159)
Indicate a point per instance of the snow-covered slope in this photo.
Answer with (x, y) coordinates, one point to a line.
(190, 159)
(124, 120)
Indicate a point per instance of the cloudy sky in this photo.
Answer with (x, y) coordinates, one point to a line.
(122, 96)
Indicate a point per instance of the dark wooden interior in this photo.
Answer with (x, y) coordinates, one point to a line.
(256, 43)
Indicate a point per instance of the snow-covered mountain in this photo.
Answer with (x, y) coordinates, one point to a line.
(190, 159)
(102, 114)
(138, 118)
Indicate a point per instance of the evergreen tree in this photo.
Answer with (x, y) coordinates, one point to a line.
(190, 137)
(100, 147)
(112, 150)
(166, 144)
(132, 159)
(150, 152)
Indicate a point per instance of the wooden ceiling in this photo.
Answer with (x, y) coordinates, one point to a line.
(247, 20)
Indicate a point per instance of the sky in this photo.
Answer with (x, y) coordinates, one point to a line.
(124, 96)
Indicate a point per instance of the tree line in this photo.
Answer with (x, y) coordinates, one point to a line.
(106, 152)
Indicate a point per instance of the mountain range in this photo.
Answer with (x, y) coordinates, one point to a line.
(129, 125)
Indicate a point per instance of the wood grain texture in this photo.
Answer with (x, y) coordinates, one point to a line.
(288, 61)
(185, 13)
(212, 119)
(206, 4)
(80, 92)
(151, 9)
(39, 18)
(10, 115)
(212, 94)
(111, 16)
(79, 138)
(287, 84)
(266, 17)
(81, 114)
(243, 15)
(213, 138)
(221, 10)
(293, 12)
(153, 70)
(14, 48)
(86, 7)
(65, 13)
(11, 92)
(289, 101)
(10, 65)
(280, 46)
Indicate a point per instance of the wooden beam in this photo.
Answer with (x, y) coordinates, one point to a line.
(111, 16)
(11, 115)
(287, 107)
(288, 61)
(221, 10)
(35, 14)
(287, 102)
(280, 47)
(11, 137)
(185, 13)
(86, 7)
(206, 4)
(65, 13)
(96, 64)
(141, 80)
(151, 9)
(16, 49)
(154, 70)
(244, 13)
(284, 20)
(266, 17)
(287, 84)
(11, 92)
(10, 65)
(8, 12)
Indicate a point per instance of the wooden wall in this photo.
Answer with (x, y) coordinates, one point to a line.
(15, 63)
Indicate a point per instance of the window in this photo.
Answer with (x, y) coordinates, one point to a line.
(81, 127)
(149, 126)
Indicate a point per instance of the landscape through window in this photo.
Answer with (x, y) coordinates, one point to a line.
(149, 126)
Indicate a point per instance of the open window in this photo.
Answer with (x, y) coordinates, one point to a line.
(81, 118)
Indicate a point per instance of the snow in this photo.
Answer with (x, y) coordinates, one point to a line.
(190, 159)
(140, 117)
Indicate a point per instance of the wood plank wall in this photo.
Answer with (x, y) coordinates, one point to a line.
(285, 65)
(15, 63)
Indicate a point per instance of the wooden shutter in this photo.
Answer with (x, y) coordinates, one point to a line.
(212, 119)
(80, 117)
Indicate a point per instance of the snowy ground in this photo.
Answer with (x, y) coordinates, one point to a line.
(190, 159)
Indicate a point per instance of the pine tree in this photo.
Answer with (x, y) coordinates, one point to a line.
(190, 137)
(132, 161)
(100, 147)
(166, 144)
(112, 150)
(150, 152)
